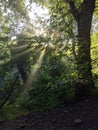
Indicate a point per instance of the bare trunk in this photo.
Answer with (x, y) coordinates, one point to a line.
(84, 22)
(83, 16)
(84, 58)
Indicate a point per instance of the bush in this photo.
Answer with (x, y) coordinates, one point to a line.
(54, 94)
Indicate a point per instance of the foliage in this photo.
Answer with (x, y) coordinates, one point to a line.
(94, 54)
(55, 81)
(51, 96)
(54, 84)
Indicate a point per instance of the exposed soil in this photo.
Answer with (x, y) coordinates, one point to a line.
(81, 115)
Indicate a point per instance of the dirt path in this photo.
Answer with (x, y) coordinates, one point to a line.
(78, 116)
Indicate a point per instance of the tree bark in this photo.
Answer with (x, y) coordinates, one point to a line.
(83, 17)
(84, 22)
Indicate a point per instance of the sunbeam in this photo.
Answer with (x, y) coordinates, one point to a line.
(19, 47)
(33, 74)
(14, 56)
(2, 62)
(23, 53)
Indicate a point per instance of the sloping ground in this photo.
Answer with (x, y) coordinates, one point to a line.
(78, 116)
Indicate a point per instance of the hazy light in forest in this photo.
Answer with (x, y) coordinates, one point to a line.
(17, 54)
(33, 74)
(22, 53)
(2, 62)
(19, 47)
(39, 17)
(36, 11)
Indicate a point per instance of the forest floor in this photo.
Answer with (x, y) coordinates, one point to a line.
(82, 115)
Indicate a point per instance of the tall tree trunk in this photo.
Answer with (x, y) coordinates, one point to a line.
(84, 57)
(83, 16)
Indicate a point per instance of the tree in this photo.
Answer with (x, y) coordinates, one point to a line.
(83, 16)
(82, 11)
(17, 12)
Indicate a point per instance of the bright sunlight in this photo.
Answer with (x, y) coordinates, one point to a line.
(34, 71)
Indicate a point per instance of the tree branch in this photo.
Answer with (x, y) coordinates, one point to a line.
(74, 10)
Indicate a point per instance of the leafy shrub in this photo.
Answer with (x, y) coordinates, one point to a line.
(54, 94)
(54, 84)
